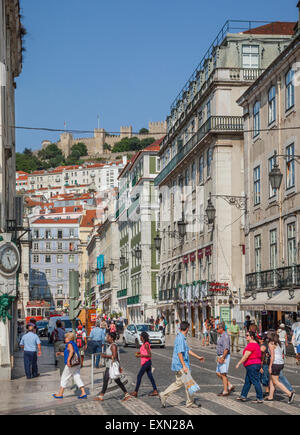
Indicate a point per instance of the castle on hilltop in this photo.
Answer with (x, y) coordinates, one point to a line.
(95, 145)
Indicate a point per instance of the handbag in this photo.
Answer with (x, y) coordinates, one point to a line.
(75, 359)
(114, 370)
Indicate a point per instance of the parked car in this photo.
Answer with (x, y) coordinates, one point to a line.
(132, 335)
(42, 328)
(67, 323)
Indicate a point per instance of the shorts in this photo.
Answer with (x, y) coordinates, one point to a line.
(276, 369)
(224, 368)
(205, 334)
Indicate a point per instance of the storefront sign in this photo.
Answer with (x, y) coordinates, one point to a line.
(218, 287)
(208, 251)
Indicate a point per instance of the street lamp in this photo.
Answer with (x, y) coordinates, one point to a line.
(210, 211)
(275, 175)
(122, 260)
(157, 242)
(111, 267)
(181, 228)
(138, 253)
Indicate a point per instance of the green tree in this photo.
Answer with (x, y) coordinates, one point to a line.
(132, 144)
(107, 147)
(144, 131)
(81, 148)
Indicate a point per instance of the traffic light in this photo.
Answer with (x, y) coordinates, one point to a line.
(75, 302)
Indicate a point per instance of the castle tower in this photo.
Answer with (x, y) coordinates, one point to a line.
(125, 131)
(65, 143)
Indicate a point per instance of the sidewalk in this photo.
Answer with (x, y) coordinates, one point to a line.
(21, 394)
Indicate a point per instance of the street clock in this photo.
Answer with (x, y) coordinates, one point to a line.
(9, 259)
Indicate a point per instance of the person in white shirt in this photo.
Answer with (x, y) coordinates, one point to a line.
(283, 337)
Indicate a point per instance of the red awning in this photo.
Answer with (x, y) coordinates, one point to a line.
(208, 251)
(200, 254)
(192, 257)
(185, 259)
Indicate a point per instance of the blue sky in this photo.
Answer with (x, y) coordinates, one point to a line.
(125, 60)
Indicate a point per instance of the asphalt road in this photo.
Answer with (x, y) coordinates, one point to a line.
(203, 373)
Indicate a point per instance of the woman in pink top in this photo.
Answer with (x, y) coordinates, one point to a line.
(252, 362)
(145, 355)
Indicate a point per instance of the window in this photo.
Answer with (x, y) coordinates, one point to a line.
(194, 174)
(187, 177)
(209, 159)
(48, 246)
(71, 258)
(256, 119)
(47, 258)
(256, 180)
(72, 232)
(208, 109)
(35, 246)
(257, 248)
(292, 250)
(289, 90)
(272, 104)
(60, 289)
(272, 192)
(36, 234)
(59, 234)
(59, 258)
(48, 273)
(59, 246)
(59, 273)
(250, 55)
(48, 234)
(59, 304)
(273, 249)
(201, 169)
(36, 258)
(290, 166)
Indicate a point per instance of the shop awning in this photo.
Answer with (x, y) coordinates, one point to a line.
(282, 301)
(257, 304)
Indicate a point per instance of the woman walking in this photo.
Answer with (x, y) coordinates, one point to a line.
(205, 331)
(111, 356)
(252, 362)
(275, 367)
(145, 355)
(70, 370)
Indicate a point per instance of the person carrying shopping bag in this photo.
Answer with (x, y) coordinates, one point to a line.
(181, 366)
(72, 367)
(145, 355)
(113, 369)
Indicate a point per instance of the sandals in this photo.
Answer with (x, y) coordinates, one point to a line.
(223, 394)
(241, 399)
(127, 397)
(83, 397)
(153, 393)
(134, 394)
(257, 401)
(57, 397)
(98, 399)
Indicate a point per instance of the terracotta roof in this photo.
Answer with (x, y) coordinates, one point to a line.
(276, 28)
(88, 219)
(55, 221)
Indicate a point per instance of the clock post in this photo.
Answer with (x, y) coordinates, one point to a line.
(9, 265)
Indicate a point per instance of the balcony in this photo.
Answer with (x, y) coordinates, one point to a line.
(168, 295)
(281, 278)
(122, 293)
(215, 124)
(133, 300)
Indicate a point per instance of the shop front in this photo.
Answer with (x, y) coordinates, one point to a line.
(270, 309)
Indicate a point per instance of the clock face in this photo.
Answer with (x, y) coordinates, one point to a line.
(9, 258)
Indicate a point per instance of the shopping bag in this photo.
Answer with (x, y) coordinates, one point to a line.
(191, 386)
(114, 370)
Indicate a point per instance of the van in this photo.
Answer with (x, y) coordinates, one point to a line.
(67, 322)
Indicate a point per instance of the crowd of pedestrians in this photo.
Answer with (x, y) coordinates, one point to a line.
(263, 358)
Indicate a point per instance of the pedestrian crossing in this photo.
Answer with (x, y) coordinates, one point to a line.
(211, 405)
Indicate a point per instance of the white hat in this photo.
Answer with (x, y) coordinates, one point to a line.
(282, 325)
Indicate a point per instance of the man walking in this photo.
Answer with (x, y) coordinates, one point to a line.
(223, 359)
(180, 365)
(31, 344)
(98, 336)
(234, 331)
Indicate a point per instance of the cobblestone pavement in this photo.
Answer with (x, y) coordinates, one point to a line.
(204, 374)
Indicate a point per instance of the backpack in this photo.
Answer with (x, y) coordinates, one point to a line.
(79, 339)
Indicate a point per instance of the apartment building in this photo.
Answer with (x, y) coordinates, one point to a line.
(21, 181)
(101, 175)
(272, 184)
(55, 251)
(137, 216)
(202, 164)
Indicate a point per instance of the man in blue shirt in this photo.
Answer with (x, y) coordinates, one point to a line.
(180, 365)
(31, 344)
(98, 337)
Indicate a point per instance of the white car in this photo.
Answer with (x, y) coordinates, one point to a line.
(132, 335)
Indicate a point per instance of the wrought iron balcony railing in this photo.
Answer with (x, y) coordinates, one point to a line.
(282, 278)
(213, 124)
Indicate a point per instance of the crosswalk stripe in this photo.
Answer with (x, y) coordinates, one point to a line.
(48, 412)
(90, 408)
(175, 400)
(138, 407)
(233, 405)
(284, 407)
